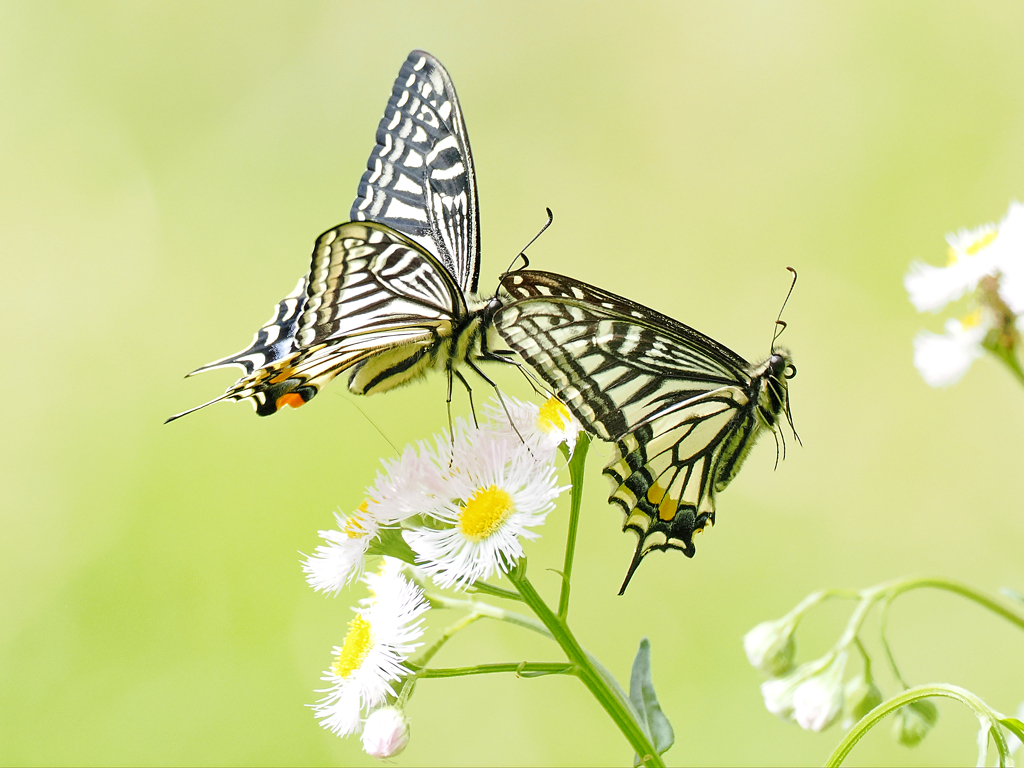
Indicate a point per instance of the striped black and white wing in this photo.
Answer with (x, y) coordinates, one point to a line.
(678, 406)
(419, 178)
(373, 301)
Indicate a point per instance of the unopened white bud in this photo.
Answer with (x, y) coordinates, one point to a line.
(770, 647)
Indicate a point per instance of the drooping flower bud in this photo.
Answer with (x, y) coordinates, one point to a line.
(386, 733)
(862, 695)
(770, 647)
(912, 722)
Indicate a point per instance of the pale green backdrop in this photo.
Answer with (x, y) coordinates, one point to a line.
(164, 170)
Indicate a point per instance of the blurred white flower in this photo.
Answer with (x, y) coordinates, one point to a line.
(969, 259)
(379, 640)
(542, 427)
(988, 262)
(333, 566)
(496, 492)
(943, 360)
(770, 647)
(386, 733)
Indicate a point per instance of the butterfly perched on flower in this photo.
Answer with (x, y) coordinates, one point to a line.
(682, 410)
(391, 294)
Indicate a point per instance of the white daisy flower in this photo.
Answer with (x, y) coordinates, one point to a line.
(943, 360)
(496, 493)
(543, 427)
(409, 485)
(379, 640)
(333, 566)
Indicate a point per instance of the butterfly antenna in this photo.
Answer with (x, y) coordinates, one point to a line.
(780, 324)
(522, 254)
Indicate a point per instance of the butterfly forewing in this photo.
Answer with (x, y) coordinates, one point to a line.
(616, 364)
(681, 409)
(386, 293)
(419, 178)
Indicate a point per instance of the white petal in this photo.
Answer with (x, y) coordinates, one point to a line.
(943, 360)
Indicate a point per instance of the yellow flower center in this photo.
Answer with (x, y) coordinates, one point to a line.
(983, 241)
(553, 415)
(485, 512)
(971, 320)
(354, 528)
(354, 649)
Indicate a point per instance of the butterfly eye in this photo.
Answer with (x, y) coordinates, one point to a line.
(790, 371)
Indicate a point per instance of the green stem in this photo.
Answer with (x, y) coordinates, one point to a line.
(866, 723)
(576, 466)
(488, 611)
(489, 589)
(1008, 358)
(522, 668)
(898, 587)
(609, 696)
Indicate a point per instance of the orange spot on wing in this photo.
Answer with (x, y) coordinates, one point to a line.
(294, 399)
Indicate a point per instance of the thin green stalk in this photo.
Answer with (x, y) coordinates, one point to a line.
(522, 668)
(576, 466)
(610, 697)
(899, 587)
(489, 589)
(981, 710)
(1008, 358)
(488, 611)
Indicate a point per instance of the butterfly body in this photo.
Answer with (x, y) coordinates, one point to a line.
(391, 295)
(681, 410)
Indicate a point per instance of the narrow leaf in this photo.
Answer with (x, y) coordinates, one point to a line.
(1014, 726)
(645, 701)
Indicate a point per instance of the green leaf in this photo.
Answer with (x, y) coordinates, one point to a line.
(391, 543)
(645, 701)
(1014, 726)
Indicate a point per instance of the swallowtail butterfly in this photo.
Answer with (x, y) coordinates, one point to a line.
(389, 295)
(682, 410)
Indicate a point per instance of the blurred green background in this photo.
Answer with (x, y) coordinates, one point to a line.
(165, 169)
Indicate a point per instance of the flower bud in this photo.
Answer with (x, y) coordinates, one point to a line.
(912, 722)
(862, 695)
(386, 733)
(818, 701)
(770, 647)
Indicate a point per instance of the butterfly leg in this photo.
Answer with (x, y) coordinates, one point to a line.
(469, 391)
(497, 392)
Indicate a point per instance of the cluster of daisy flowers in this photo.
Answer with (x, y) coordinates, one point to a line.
(988, 264)
(454, 511)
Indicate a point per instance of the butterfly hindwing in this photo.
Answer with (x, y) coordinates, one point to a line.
(370, 291)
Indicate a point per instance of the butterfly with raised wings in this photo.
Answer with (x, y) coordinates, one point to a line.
(390, 295)
(682, 410)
